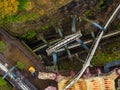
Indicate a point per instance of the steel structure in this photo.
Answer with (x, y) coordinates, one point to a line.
(20, 82)
(92, 51)
(90, 41)
(8, 72)
(107, 66)
(66, 40)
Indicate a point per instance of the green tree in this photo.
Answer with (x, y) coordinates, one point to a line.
(4, 85)
(20, 65)
(2, 46)
(29, 35)
(22, 4)
(8, 7)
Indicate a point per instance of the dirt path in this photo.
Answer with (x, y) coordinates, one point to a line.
(15, 42)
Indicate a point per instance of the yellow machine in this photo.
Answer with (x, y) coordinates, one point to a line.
(32, 69)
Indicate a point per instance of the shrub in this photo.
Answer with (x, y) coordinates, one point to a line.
(2, 46)
(102, 58)
(4, 85)
(20, 65)
(22, 4)
(29, 35)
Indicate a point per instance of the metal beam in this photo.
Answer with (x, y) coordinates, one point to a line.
(67, 39)
(8, 72)
(92, 51)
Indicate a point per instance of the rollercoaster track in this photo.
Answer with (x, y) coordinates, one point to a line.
(76, 45)
(7, 73)
(63, 42)
(90, 41)
(37, 46)
(76, 48)
(92, 50)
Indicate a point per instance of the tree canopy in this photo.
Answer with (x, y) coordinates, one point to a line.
(4, 85)
(29, 35)
(8, 7)
(20, 65)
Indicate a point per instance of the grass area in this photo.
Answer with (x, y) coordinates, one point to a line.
(38, 9)
(98, 8)
(19, 18)
(28, 36)
(4, 85)
(20, 65)
(21, 14)
(51, 22)
(22, 4)
(102, 58)
(111, 53)
(2, 46)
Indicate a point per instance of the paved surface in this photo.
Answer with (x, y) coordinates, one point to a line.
(15, 42)
(20, 82)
